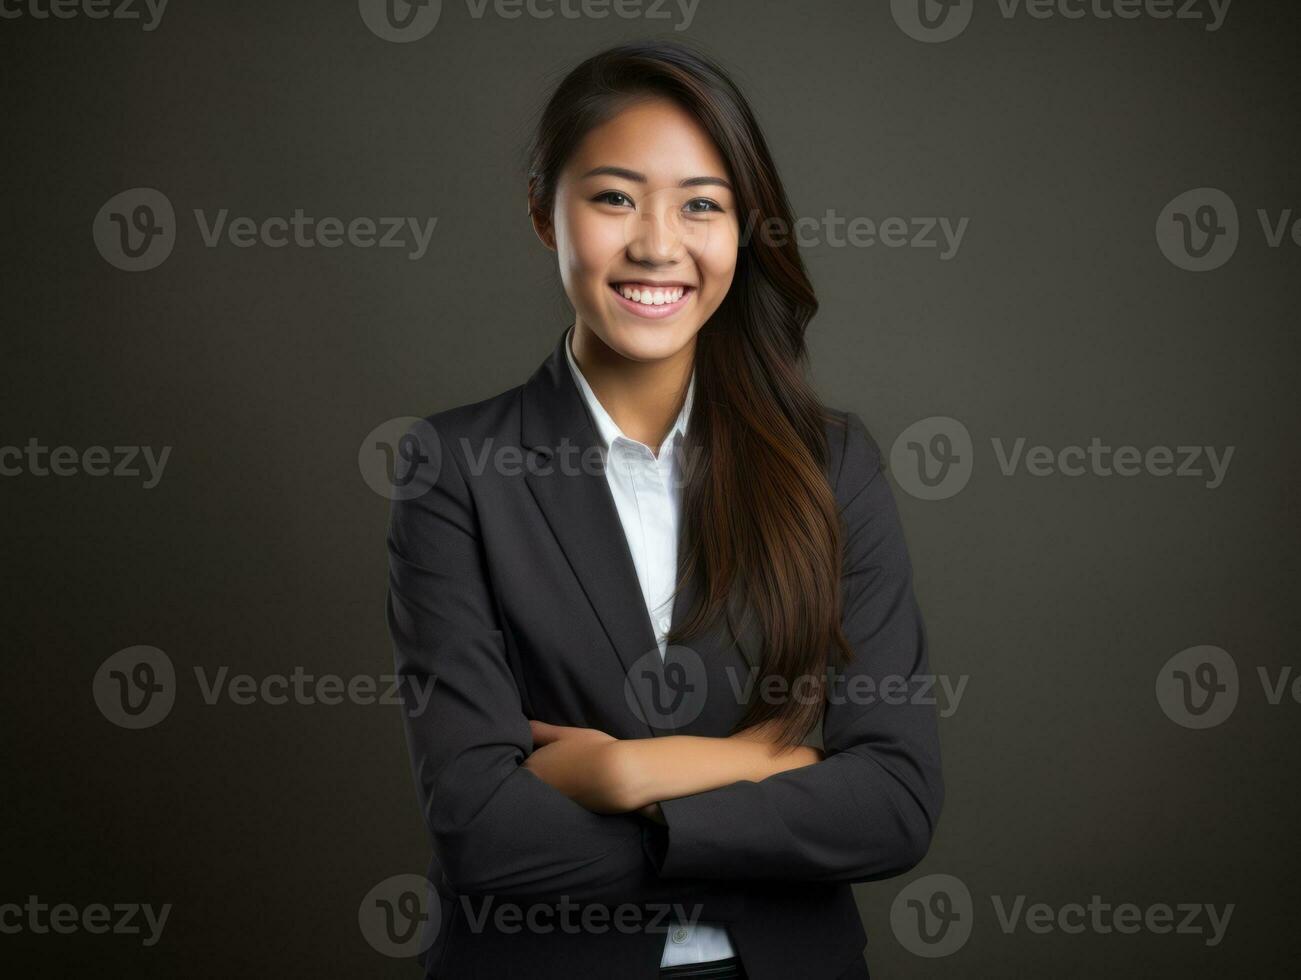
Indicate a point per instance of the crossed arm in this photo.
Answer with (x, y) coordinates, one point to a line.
(610, 775)
(507, 802)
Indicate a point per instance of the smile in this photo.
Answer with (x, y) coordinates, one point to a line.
(652, 301)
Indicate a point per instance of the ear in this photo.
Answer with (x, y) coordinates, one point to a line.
(542, 224)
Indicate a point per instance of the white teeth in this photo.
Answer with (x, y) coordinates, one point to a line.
(652, 297)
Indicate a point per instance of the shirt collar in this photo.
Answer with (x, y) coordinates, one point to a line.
(606, 427)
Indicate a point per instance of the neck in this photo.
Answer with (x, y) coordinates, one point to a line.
(643, 397)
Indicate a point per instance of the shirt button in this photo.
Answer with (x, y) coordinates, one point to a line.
(664, 623)
(680, 935)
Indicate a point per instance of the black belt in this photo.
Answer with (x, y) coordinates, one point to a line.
(728, 969)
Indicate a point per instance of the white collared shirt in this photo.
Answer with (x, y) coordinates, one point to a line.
(647, 491)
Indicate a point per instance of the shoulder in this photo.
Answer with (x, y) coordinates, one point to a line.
(853, 456)
(496, 417)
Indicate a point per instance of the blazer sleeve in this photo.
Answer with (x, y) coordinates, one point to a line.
(496, 827)
(869, 809)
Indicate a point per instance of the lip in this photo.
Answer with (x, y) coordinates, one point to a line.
(654, 312)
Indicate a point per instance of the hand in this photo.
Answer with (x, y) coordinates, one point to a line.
(579, 762)
(652, 811)
(545, 734)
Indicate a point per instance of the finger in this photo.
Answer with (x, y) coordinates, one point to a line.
(544, 734)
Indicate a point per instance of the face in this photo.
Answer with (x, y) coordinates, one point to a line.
(645, 230)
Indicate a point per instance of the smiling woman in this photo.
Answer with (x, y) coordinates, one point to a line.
(651, 195)
(586, 740)
(649, 240)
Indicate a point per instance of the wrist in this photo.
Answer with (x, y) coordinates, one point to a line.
(626, 775)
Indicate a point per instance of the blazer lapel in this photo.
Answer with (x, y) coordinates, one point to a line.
(566, 475)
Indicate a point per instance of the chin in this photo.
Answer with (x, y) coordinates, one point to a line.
(638, 339)
(645, 341)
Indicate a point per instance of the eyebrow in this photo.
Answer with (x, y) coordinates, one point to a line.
(639, 178)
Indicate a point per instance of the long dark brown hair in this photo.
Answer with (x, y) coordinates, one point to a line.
(760, 524)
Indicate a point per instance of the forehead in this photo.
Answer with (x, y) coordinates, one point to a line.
(656, 137)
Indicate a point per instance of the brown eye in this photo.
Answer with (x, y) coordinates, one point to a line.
(710, 205)
(606, 198)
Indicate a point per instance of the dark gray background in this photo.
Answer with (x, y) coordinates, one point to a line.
(263, 549)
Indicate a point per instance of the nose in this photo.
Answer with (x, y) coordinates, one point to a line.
(654, 234)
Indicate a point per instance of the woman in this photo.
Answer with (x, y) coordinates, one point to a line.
(629, 590)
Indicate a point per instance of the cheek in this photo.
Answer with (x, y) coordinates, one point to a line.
(591, 245)
(718, 262)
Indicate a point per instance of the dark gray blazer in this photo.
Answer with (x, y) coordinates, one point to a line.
(513, 592)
